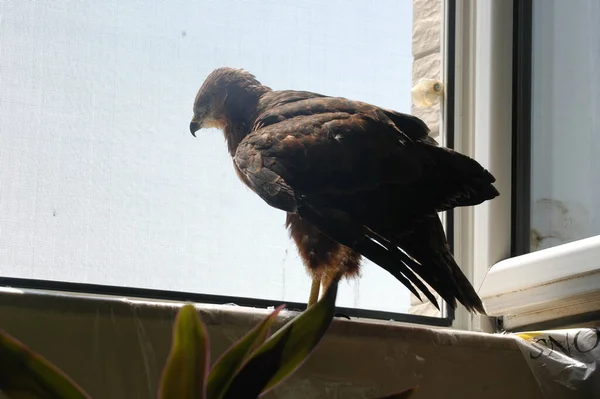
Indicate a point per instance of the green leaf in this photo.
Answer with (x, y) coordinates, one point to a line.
(26, 374)
(187, 366)
(285, 350)
(225, 368)
(401, 395)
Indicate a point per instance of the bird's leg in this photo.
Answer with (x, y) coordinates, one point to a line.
(326, 281)
(314, 290)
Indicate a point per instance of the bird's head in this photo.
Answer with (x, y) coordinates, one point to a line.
(226, 96)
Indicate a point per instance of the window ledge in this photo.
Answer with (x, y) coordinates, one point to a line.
(550, 284)
(115, 348)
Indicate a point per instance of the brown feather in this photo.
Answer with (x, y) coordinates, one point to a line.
(355, 180)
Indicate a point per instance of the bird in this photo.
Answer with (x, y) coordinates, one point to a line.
(355, 180)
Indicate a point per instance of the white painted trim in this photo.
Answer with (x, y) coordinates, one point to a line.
(442, 139)
(483, 118)
(546, 284)
(533, 288)
(463, 122)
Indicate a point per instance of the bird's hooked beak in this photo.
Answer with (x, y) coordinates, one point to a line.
(195, 125)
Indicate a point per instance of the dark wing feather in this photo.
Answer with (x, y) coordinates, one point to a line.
(412, 126)
(362, 177)
(331, 146)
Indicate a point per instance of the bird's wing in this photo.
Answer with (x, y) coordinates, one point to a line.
(328, 147)
(270, 108)
(326, 151)
(348, 169)
(317, 166)
(412, 126)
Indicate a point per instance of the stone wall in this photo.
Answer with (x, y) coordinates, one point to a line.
(426, 51)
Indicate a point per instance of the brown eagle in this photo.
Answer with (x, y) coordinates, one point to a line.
(355, 180)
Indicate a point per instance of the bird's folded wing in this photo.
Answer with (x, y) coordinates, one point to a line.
(353, 156)
(331, 152)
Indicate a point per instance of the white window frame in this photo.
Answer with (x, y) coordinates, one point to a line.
(546, 285)
(525, 290)
(483, 109)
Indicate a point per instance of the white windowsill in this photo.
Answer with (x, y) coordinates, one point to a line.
(548, 284)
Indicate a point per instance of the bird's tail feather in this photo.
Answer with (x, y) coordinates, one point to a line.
(437, 269)
(338, 226)
(456, 170)
(395, 262)
(436, 265)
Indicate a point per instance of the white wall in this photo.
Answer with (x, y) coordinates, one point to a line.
(100, 180)
(566, 124)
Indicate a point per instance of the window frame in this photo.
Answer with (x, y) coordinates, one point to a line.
(483, 112)
(555, 287)
(551, 288)
(521, 129)
(486, 44)
(447, 314)
(35, 286)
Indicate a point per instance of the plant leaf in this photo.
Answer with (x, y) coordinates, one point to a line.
(26, 374)
(286, 349)
(225, 368)
(401, 395)
(185, 372)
